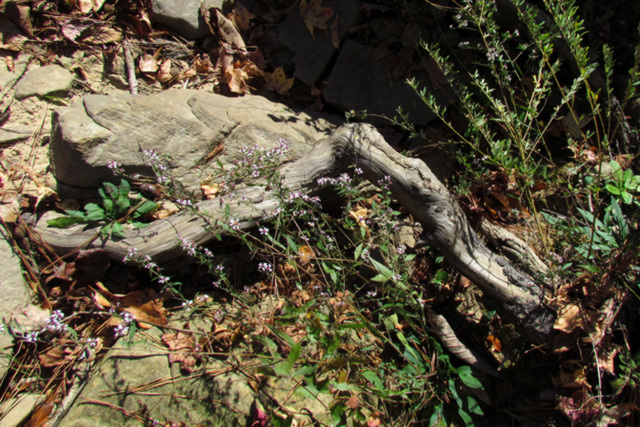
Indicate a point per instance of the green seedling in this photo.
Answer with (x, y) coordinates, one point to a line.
(117, 208)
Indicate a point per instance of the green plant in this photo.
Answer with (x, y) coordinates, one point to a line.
(118, 207)
(623, 184)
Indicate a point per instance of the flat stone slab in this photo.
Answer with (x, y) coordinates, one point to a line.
(185, 124)
(15, 295)
(359, 83)
(41, 81)
(184, 16)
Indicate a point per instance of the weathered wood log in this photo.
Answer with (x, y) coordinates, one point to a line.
(412, 183)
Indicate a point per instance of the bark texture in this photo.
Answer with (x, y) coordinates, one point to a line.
(412, 183)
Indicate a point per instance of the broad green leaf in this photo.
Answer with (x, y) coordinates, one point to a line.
(294, 355)
(382, 269)
(124, 187)
(374, 379)
(146, 207)
(65, 221)
(464, 372)
(358, 251)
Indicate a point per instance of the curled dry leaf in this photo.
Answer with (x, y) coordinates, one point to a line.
(305, 254)
(229, 33)
(360, 215)
(210, 191)
(87, 6)
(164, 73)
(148, 64)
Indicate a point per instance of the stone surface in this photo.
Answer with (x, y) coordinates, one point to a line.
(215, 394)
(311, 55)
(184, 16)
(185, 124)
(15, 295)
(47, 80)
(348, 89)
(17, 409)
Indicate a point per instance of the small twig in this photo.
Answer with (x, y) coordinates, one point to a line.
(131, 69)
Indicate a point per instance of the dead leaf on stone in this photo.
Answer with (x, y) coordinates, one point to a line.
(278, 81)
(182, 348)
(314, 15)
(241, 17)
(148, 64)
(145, 307)
(102, 34)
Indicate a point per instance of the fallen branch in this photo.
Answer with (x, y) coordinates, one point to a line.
(413, 185)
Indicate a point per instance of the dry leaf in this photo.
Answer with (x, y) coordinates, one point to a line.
(496, 345)
(241, 17)
(20, 14)
(148, 64)
(102, 35)
(53, 357)
(210, 191)
(314, 15)
(278, 81)
(229, 33)
(360, 215)
(164, 74)
(182, 348)
(353, 402)
(87, 6)
(144, 307)
(306, 254)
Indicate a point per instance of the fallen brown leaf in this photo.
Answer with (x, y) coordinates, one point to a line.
(278, 81)
(314, 15)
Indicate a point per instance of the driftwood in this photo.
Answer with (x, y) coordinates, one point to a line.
(412, 183)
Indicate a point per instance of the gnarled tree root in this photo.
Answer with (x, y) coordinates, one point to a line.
(412, 183)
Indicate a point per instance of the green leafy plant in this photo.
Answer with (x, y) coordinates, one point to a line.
(118, 207)
(623, 184)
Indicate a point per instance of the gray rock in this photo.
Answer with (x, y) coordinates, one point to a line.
(47, 80)
(185, 124)
(17, 409)
(15, 295)
(312, 55)
(8, 136)
(358, 83)
(184, 16)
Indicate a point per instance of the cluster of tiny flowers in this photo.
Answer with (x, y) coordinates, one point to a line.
(234, 223)
(264, 231)
(156, 162)
(372, 294)
(188, 246)
(115, 167)
(184, 202)
(300, 195)
(148, 263)
(265, 267)
(274, 213)
(202, 298)
(132, 253)
(385, 183)
(121, 330)
(400, 250)
(187, 305)
(344, 180)
(54, 322)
